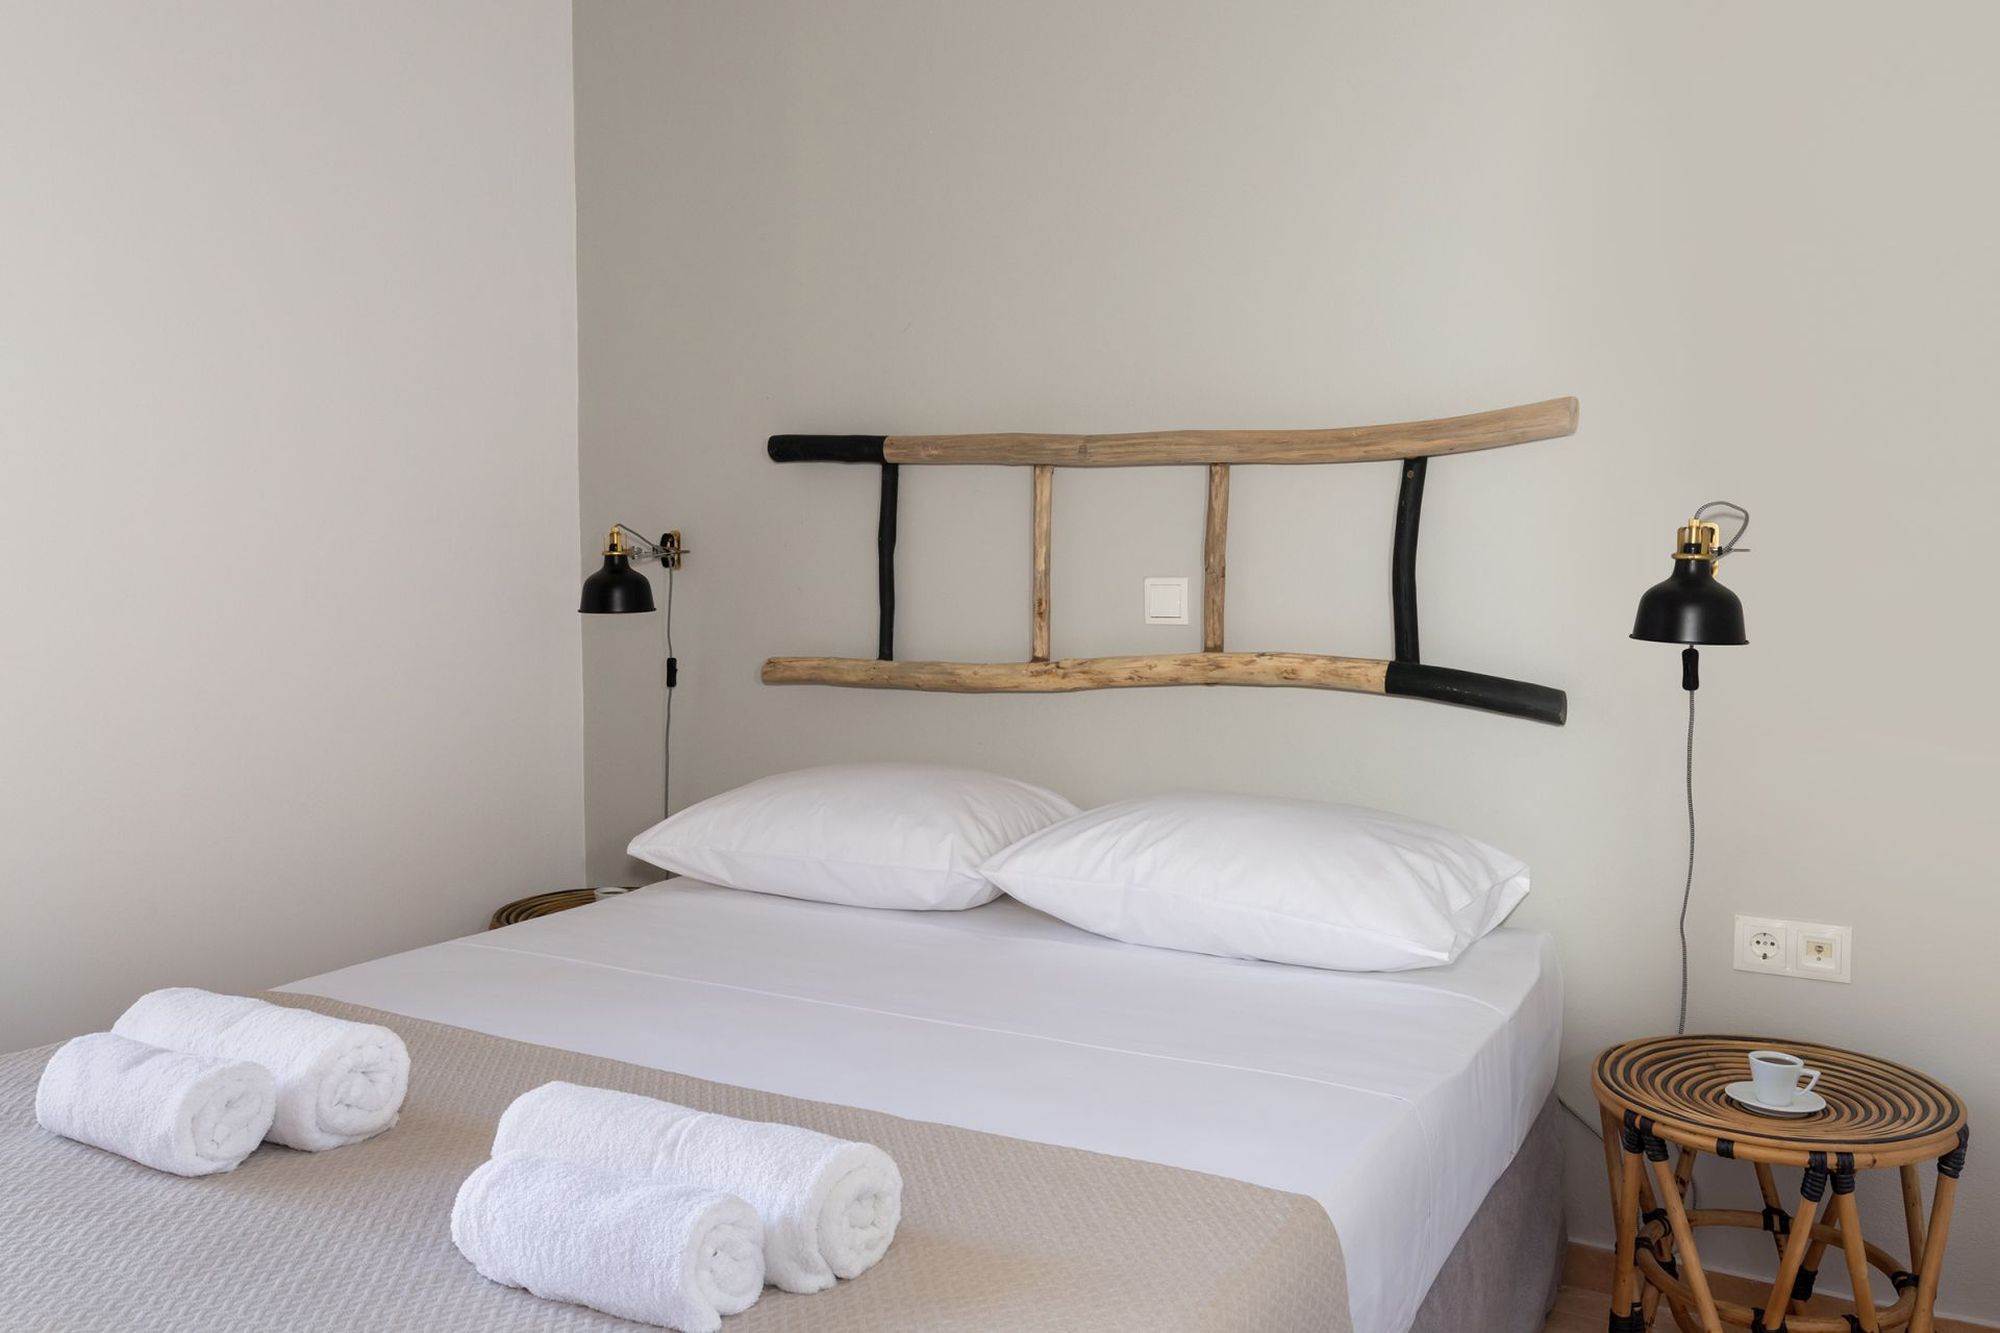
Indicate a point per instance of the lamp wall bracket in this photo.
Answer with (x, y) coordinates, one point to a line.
(625, 540)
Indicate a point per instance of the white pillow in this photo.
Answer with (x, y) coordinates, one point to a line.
(1291, 881)
(866, 835)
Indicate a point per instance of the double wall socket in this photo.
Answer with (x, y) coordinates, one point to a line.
(1794, 948)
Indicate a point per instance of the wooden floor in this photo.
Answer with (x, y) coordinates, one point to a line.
(1584, 1302)
(1578, 1310)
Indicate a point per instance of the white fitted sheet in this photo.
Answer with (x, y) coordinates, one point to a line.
(1395, 1099)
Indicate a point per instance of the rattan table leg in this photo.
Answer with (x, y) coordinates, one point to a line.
(1922, 1319)
(1625, 1210)
(1611, 1137)
(1663, 1247)
(1913, 1212)
(1857, 1253)
(1650, 1295)
(1767, 1186)
(1815, 1257)
(1690, 1261)
(1795, 1244)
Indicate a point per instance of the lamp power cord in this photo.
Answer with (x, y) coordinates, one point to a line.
(667, 551)
(1742, 516)
(1687, 897)
(667, 731)
(1687, 889)
(1730, 547)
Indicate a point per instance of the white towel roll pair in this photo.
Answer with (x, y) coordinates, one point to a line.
(826, 1208)
(191, 1082)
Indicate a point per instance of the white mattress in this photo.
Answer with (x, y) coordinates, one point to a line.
(1395, 1099)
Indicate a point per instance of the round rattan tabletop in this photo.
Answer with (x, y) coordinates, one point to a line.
(541, 904)
(1884, 1113)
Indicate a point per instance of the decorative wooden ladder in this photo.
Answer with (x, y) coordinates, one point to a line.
(1410, 444)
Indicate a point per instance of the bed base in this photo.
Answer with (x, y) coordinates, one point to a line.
(1503, 1275)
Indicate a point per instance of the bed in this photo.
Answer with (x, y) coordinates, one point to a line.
(1094, 1135)
(1398, 1101)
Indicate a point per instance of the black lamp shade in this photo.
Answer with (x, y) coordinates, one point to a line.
(1691, 606)
(616, 589)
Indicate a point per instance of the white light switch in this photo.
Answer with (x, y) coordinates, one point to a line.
(1166, 601)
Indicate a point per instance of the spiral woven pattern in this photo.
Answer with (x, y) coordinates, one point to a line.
(1870, 1103)
(541, 904)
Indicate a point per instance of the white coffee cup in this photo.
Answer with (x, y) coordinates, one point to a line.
(1776, 1076)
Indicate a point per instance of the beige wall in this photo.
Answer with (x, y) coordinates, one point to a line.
(1757, 241)
(287, 488)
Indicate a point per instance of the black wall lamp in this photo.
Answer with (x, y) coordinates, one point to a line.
(1691, 607)
(618, 588)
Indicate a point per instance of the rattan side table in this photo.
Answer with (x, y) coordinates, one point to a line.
(544, 904)
(1661, 1090)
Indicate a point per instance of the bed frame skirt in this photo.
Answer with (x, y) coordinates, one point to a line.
(1503, 1274)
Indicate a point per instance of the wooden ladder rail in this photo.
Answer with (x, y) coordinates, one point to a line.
(1409, 444)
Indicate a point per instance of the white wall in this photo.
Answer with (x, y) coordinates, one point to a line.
(1757, 241)
(289, 670)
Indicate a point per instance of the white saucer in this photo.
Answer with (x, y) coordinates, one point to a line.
(1744, 1094)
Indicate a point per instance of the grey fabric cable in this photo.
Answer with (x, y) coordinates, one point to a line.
(667, 744)
(649, 549)
(1687, 890)
(1732, 546)
(1735, 542)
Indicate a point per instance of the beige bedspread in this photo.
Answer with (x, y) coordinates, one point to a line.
(997, 1234)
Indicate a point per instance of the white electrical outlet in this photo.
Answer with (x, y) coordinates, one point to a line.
(1763, 944)
(1794, 948)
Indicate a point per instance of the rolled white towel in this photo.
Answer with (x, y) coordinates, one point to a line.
(338, 1082)
(192, 1115)
(626, 1245)
(829, 1206)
